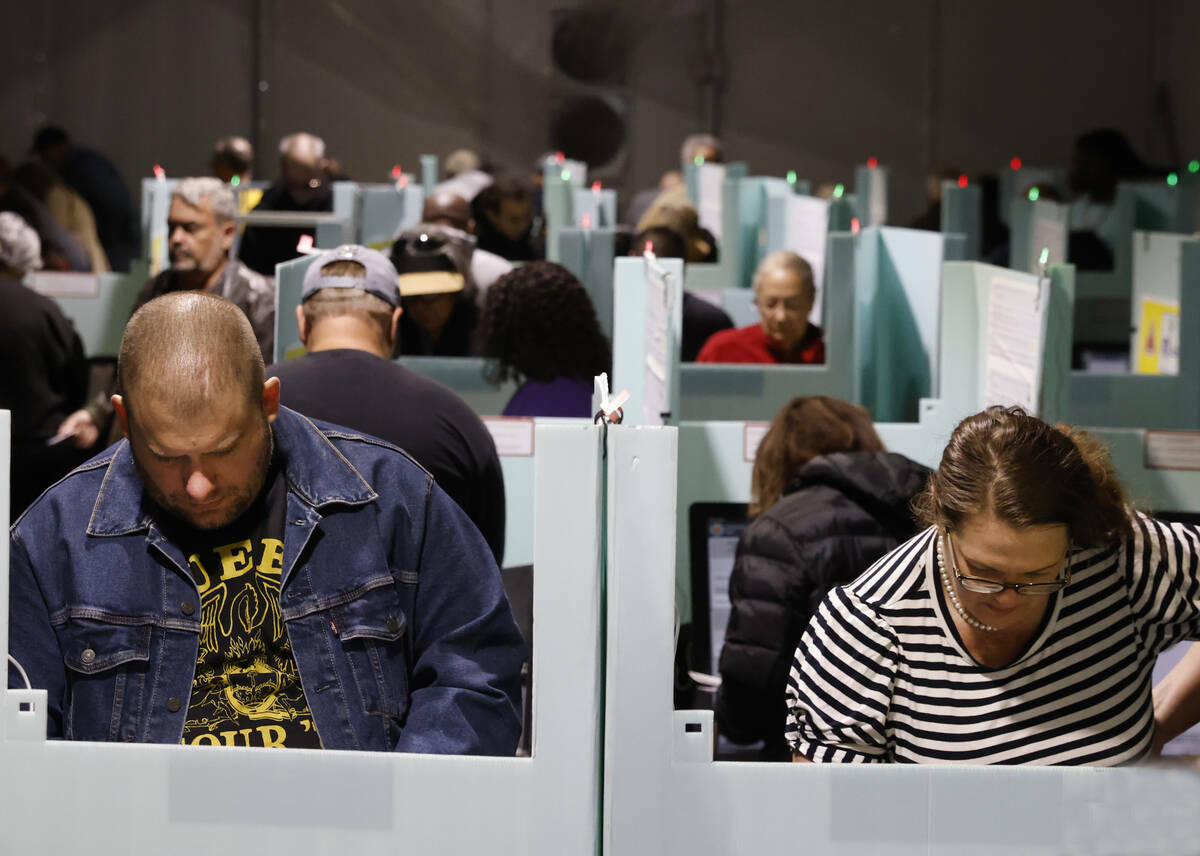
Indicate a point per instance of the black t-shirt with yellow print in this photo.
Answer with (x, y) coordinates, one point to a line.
(247, 689)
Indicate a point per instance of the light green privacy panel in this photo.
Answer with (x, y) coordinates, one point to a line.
(1016, 183)
(962, 214)
(467, 377)
(715, 391)
(385, 210)
(289, 283)
(589, 254)
(99, 305)
(754, 197)
(647, 325)
(1151, 401)
(897, 276)
(429, 173)
(156, 204)
(560, 181)
(1157, 257)
(1037, 227)
(715, 190)
(871, 194)
(593, 207)
(139, 795)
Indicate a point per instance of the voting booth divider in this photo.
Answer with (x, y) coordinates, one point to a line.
(962, 214)
(1162, 390)
(1104, 297)
(1015, 184)
(1038, 230)
(60, 796)
(99, 305)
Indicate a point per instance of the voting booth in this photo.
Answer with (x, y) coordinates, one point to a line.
(71, 797)
(1162, 389)
(99, 305)
(665, 795)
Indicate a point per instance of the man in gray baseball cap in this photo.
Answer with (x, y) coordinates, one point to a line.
(349, 312)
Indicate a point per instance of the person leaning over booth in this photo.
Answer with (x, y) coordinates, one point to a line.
(235, 574)
(784, 293)
(1021, 627)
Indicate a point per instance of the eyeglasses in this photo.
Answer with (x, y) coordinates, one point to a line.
(982, 586)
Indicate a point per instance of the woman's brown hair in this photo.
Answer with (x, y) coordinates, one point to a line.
(806, 427)
(1026, 473)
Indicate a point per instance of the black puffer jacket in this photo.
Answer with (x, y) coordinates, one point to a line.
(840, 514)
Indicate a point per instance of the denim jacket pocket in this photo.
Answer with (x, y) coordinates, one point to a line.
(106, 673)
(373, 631)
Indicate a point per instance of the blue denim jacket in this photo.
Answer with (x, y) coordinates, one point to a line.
(393, 605)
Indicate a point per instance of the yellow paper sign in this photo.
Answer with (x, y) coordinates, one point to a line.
(1158, 339)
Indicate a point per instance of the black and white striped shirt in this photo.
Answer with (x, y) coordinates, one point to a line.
(882, 675)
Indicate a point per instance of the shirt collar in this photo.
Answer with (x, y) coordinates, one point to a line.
(315, 470)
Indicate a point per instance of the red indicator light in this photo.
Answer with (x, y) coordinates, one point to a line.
(159, 172)
(872, 163)
(587, 221)
(1015, 163)
(962, 181)
(559, 157)
(855, 226)
(649, 251)
(396, 171)
(305, 244)
(595, 187)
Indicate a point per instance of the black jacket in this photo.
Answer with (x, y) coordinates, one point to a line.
(838, 516)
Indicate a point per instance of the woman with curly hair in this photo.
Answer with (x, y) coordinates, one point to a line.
(539, 328)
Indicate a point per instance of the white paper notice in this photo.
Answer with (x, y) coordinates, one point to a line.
(654, 386)
(1173, 450)
(513, 436)
(806, 227)
(877, 212)
(710, 180)
(66, 284)
(752, 435)
(1014, 343)
(1049, 232)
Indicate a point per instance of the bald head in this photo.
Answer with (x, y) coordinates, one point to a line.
(189, 351)
(448, 209)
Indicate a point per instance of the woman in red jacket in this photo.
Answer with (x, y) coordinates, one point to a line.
(784, 293)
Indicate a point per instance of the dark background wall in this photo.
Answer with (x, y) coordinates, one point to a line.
(815, 87)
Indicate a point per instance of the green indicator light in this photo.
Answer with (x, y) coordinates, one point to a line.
(1194, 166)
(236, 180)
(1173, 179)
(1044, 258)
(791, 176)
(1033, 194)
(566, 175)
(838, 190)
(699, 160)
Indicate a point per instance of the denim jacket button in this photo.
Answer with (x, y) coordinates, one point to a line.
(173, 704)
(187, 607)
(88, 656)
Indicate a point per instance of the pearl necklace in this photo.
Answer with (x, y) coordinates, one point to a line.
(953, 596)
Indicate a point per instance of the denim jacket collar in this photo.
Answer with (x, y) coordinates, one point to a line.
(316, 471)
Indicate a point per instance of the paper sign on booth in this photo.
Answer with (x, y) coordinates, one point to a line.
(1013, 366)
(513, 436)
(1157, 338)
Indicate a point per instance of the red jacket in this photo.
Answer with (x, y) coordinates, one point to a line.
(751, 345)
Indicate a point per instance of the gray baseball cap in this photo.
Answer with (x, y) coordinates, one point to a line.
(381, 279)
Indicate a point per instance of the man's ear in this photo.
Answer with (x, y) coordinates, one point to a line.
(118, 404)
(396, 321)
(228, 231)
(302, 323)
(270, 399)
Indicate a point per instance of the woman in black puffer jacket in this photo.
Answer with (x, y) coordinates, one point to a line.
(828, 501)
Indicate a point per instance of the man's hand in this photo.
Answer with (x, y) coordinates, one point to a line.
(81, 428)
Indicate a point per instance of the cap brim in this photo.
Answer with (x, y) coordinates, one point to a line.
(431, 282)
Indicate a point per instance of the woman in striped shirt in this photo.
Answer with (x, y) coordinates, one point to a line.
(1021, 627)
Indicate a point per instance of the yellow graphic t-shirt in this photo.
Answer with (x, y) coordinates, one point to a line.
(247, 689)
